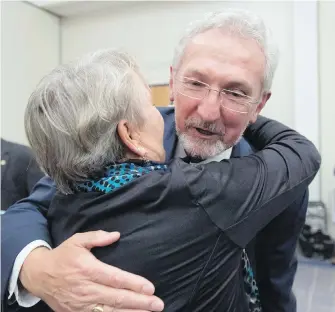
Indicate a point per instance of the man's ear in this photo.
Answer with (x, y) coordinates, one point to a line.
(171, 85)
(129, 137)
(260, 106)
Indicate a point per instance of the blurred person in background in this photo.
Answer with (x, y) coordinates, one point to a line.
(19, 173)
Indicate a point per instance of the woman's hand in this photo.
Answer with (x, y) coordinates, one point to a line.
(70, 279)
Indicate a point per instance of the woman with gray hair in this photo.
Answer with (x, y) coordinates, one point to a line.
(184, 226)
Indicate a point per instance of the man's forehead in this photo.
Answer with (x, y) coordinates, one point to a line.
(201, 59)
(216, 49)
(223, 43)
(213, 38)
(200, 50)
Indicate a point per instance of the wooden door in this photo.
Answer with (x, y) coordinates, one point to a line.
(160, 95)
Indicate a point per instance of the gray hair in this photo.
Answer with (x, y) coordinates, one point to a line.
(72, 116)
(237, 22)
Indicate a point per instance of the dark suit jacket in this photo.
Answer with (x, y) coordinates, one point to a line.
(30, 214)
(19, 173)
(272, 252)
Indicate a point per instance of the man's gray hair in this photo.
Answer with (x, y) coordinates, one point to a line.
(236, 22)
(72, 116)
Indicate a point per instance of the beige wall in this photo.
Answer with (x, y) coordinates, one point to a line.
(29, 49)
(327, 105)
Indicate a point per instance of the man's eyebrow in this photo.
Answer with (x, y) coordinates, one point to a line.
(195, 73)
(242, 85)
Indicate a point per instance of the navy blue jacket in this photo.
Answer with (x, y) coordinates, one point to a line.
(275, 278)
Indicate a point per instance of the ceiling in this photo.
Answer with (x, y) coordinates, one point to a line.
(73, 8)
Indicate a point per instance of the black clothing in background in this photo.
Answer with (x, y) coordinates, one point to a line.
(19, 173)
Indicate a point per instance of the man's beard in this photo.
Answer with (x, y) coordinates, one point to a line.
(204, 148)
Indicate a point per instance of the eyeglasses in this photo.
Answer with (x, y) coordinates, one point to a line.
(233, 100)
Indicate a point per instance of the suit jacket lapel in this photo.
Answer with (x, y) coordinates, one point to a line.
(242, 148)
(170, 135)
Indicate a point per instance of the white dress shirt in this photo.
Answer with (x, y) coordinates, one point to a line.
(22, 296)
(180, 152)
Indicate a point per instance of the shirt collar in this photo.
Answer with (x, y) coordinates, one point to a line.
(180, 152)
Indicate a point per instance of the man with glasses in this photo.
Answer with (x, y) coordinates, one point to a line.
(220, 80)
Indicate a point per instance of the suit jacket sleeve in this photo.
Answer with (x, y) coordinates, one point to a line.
(242, 195)
(23, 223)
(273, 252)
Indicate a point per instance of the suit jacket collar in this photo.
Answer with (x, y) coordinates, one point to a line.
(242, 148)
(170, 135)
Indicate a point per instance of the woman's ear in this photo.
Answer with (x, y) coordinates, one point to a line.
(130, 138)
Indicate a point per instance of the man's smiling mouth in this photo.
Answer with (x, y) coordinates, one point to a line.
(206, 132)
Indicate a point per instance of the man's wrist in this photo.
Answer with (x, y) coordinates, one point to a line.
(17, 292)
(32, 270)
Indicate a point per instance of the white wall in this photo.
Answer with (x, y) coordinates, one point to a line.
(29, 49)
(305, 71)
(327, 106)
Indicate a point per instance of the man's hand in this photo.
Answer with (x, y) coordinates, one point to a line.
(70, 279)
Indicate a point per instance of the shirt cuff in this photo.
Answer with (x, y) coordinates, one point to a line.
(22, 296)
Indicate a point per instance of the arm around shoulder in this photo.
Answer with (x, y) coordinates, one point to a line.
(250, 191)
(22, 224)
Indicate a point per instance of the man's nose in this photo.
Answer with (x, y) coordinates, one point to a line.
(209, 108)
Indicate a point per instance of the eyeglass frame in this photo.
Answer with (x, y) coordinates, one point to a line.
(248, 104)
